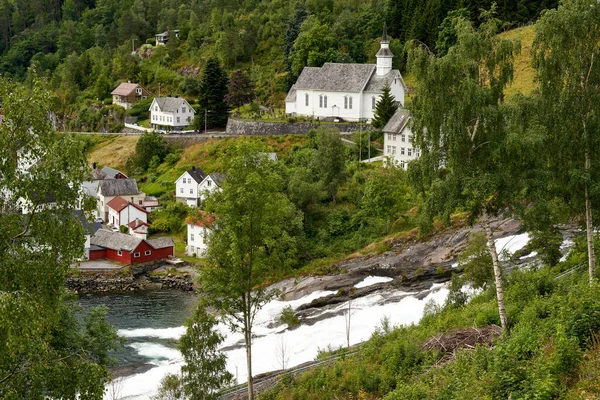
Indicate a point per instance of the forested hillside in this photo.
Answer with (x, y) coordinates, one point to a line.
(84, 47)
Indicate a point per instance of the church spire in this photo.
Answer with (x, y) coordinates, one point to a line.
(384, 55)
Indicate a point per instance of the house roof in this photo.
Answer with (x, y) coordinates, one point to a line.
(398, 121)
(217, 178)
(125, 89)
(88, 227)
(90, 187)
(336, 77)
(118, 204)
(115, 240)
(111, 172)
(197, 174)
(118, 187)
(136, 223)
(161, 243)
(171, 104)
(291, 96)
(202, 219)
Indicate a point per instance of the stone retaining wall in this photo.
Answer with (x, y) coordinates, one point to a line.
(258, 128)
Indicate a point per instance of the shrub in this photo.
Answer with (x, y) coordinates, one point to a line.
(288, 317)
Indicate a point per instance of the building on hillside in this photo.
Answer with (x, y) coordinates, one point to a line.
(163, 38)
(398, 144)
(128, 249)
(211, 183)
(187, 186)
(138, 228)
(345, 91)
(122, 212)
(108, 189)
(171, 114)
(198, 229)
(127, 94)
(150, 203)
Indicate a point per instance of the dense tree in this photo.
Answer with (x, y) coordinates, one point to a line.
(150, 144)
(460, 124)
(204, 371)
(240, 90)
(213, 89)
(46, 352)
(566, 53)
(254, 238)
(329, 162)
(384, 109)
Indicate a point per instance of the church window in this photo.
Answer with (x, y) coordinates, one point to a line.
(324, 101)
(373, 102)
(320, 101)
(306, 99)
(348, 102)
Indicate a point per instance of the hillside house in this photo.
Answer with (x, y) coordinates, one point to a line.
(127, 94)
(398, 144)
(171, 114)
(345, 91)
(211, 183)
(128, 249)
(138, 228)
(108, 189)
(163, 38)
(187, 187)
(122, 212)
(150, 203)
(198, 229)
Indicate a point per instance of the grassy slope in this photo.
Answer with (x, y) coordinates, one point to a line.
(113, 152)
(524, 73)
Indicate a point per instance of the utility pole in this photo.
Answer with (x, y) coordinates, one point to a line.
(133, 45)
(205, 116)
(360, 142)
(369, 143)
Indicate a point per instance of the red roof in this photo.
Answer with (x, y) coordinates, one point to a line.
(202, 219)
(119, 203)
(136, 223)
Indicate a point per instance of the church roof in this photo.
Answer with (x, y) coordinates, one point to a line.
(377, 82)
(291, 96)
(398, 121)
(336, 77)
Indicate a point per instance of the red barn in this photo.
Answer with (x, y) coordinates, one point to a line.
(128, 249)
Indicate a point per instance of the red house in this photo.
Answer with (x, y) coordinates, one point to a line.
(128, 249)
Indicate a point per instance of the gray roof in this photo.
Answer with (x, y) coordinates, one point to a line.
(377, 82)
(171, 104)
(118, 187)
(162, 242)
(111, 172)
(197, 174)
(336, 77)
(385, 53)
(398, 121)
(291, 96)
(217, 178)
(115, 240)
(90, 187)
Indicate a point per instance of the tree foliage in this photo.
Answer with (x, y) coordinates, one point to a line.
(45, 351)
(150, 145)
(384, 109)
(213, 89)
(240, 90)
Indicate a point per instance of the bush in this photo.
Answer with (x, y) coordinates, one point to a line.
(288, 317)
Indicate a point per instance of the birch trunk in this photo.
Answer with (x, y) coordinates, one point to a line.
(497, 273)
(249, 364)
(588, 224)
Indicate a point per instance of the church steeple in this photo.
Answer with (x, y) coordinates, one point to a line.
(384, 55)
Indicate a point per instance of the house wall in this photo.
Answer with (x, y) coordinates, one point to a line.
(187, 192)
(97, 255)
(394, 146)
(130, 213)
(196, 240)
(206, 187)
(158, 117)
(335, 104)
(102, 208)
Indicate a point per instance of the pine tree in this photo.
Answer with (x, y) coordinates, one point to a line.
(213, 89)
(384, 109)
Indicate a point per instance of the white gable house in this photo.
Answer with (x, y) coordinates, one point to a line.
(187, 187)
(398, 143)
(346, 91)
(171, 113)
(199, 228)
(211, 183)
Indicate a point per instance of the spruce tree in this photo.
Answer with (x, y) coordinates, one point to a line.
(213, 89)
(385, 108)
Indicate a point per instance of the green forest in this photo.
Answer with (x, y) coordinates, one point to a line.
(84, 48)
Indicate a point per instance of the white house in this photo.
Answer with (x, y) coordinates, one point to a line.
(108, 189)
(211, 183)
(138, 228)
(346, 91)
(398, 145)
(198, 228)
(122, 212)
(162, 38)
(171, 113)
(187, 187)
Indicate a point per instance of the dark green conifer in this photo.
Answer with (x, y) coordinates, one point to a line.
(213, 89)
(384, 109)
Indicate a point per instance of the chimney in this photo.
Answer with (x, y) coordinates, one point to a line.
(193, 168)
(94, 165)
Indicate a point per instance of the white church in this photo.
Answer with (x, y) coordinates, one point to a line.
(346, 91)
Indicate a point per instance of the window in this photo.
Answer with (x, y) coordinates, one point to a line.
(119, 253)
(389, 149)
(192, 191)
(401, 150)
(402, 164)
(306, 99)
(183, 110)
(373, 102)
(417, 152)
(147, 252)
(208, 183)
(409, 138)
(409, 150)
(322, 101)
(191, 237)
(181, 190)
(177, 119)
(136, 254)
(140, 202)
(393, 149)
(389, 136)
(155, 108)
(348, 102)
(184, 180)
(403, 137)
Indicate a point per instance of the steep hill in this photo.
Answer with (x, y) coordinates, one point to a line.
(524, 73)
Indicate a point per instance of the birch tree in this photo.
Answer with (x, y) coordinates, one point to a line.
(254, 237)
(566, 53)
(460, 124)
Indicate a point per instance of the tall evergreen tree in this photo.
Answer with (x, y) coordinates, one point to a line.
(385, 108)
(566, 56)
(213, 89)
(460, 125)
